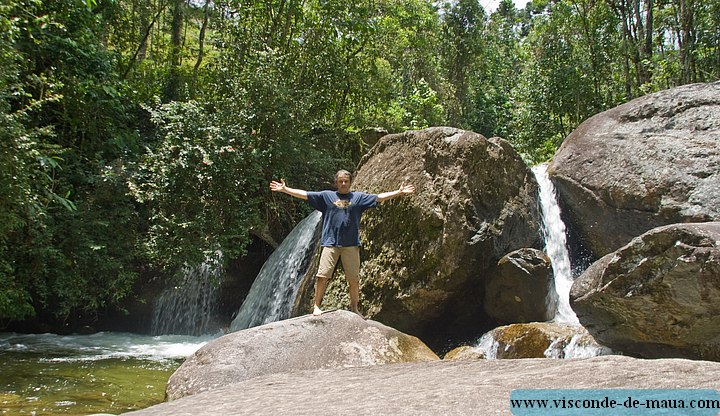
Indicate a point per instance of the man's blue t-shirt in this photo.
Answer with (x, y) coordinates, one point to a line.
(341, 215)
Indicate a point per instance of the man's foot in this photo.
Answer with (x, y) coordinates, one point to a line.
(317, 311)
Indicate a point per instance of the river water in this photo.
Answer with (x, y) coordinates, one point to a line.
(108, 372)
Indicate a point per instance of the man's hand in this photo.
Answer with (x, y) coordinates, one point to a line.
(276, 186)
(407, 189)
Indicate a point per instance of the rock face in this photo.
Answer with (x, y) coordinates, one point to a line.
(659, 296)
(333, 340)
(426, 256)
(650, 162)
(436, 388)
(520, 288)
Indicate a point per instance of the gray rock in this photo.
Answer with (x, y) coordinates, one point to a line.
(520, 288)
(333, 340)
(425, 256)
(659, 296)
(434, 388)
(650, 162)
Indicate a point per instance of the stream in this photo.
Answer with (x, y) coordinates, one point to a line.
(107, 372)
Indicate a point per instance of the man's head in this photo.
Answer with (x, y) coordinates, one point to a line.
(343, 180)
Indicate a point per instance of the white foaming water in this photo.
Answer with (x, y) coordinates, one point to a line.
(191, 307)
(273, 292)
(556, 245)
(488, 345)
(103, 345)
(577, 347)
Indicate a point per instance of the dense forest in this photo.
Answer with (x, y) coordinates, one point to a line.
(140, 135)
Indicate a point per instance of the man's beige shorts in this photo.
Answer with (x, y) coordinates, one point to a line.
(350, 257)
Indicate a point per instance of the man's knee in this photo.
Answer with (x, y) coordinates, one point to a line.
(328, 262)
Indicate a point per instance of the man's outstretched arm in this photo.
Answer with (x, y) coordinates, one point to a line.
(404, 190)
(276, 186)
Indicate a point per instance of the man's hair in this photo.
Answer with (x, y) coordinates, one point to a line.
(343, 172)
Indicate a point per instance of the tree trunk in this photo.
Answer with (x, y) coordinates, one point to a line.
(626, 47)
(144, 29)
(142, 46)
(201, 46)
(648, 49)
(687, 40)
(172, 89)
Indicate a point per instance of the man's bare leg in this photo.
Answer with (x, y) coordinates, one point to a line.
(320, 287)
(354, 289)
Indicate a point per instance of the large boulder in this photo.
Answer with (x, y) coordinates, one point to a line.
(658, 296)
(454, 388)
(521, 288)
(426, 256)
(650, 162)
(333, 340)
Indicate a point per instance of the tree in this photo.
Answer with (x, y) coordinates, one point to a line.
(172, 90)
(65, 122)
(568, 76)
(463, 24)
(495, 75)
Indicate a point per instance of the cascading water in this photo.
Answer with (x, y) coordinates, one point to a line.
(191, 307)
(578, 345)
(275, 288)
(556, 245)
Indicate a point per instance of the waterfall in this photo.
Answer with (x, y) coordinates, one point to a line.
(191, 307)
(555, 245)
(273, 292)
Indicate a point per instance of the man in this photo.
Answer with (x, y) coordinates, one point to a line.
(341, 211)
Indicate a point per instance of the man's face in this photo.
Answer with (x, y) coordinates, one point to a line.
(343, 184)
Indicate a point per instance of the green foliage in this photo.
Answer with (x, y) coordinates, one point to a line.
(561, 84)
(142, 135)
(418, 110)
(499, 65)
(201, 185)
(463, 27)
(63, 118)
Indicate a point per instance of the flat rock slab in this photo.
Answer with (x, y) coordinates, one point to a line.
(434, 388)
